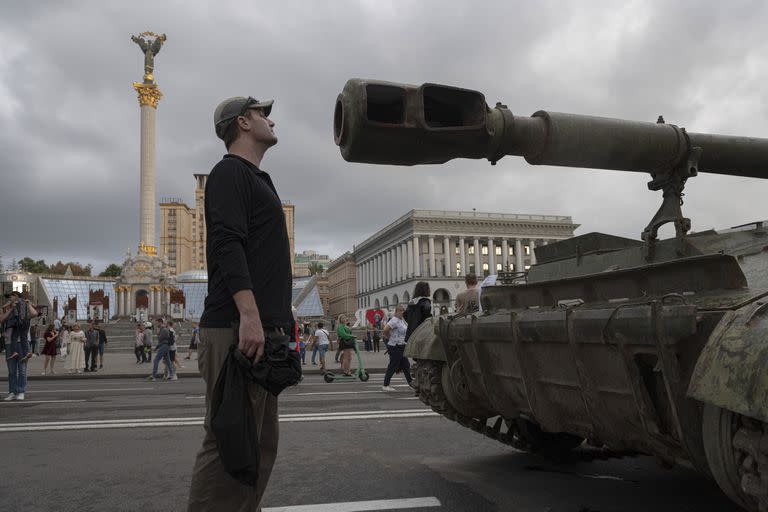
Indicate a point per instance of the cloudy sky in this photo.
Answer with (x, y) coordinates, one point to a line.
(69, 119)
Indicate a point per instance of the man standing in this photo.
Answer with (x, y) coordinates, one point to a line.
(249, 290)
(16, 315)
(468, 300)
(91, 347)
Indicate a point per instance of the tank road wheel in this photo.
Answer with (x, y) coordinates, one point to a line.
(546, 443)
(732, 446)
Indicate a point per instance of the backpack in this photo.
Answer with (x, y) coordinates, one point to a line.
(416, 313)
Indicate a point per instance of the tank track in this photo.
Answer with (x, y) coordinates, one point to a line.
(751, 445)
(428, 388)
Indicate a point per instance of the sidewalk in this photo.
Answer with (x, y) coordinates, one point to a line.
(122, 364)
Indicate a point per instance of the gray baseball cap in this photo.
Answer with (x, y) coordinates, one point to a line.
(230, 108)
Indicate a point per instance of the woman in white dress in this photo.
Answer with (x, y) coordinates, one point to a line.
(76, 354)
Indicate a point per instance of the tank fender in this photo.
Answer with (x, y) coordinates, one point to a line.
(732, 370)
(424, 343)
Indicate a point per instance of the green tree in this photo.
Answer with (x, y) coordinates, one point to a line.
(315, 268)
(112, 270)
(77, 269)
(27, 264)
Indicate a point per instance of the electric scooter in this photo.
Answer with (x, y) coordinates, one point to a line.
(359, 373)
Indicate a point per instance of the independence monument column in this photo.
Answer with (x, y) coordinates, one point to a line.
(149, 96)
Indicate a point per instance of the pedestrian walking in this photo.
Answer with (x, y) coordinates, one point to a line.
(193, 341)
(322, 341)
(64, 342)
(76, 349)
(102, 344)
(139, 343)
(33, 334)
(376, 339)
(51, 338)
(91, 348)
(162, 351)
(394, 333)
(346, 345)
(17, 314)
(368, 338)
(249, 283)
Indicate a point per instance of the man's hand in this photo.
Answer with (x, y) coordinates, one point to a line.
(251, 334)
(251, 337)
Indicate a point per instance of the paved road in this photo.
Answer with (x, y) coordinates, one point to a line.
(126, 444)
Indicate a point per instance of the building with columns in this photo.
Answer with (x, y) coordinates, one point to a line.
(441, 247)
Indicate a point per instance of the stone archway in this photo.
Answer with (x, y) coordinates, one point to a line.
(376, 304)
(406, 297)
(395, 300)
(386, 302)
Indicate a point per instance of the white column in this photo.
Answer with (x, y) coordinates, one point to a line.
(388, 271)
(147, 177)
(532, 245)
(463, 256)
(393, 265)
(416, 257)
(369, 275)
(478, 266)
(504, 255)
(408, 259)
(519, 267)
(491, 257)
(432, 270)
(447, 256)
(151, 302)
(377, 278)
(399, 262)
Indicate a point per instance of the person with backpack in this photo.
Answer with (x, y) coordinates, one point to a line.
(17, 314)
(403, 324)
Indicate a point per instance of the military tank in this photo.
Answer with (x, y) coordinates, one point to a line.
(644, 346)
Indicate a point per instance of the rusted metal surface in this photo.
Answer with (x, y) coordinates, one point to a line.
(732, 370)
(424, 344)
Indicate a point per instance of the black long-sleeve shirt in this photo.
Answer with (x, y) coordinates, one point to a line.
(247, 246)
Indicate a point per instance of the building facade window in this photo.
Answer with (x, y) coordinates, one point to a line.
(484, 250)
(471, 249)
(497, 249)
(485, 270)
(527, 250)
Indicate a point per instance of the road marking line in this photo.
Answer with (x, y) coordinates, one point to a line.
(182, 422)
(196, 418)
(64, 390)
(360, 506)
(40, 401)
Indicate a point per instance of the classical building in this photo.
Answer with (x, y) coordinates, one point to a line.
(183, 235)
(342, 286)
(302, 262)
(440, 247)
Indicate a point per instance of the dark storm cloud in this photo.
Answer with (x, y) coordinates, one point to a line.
(69, 153)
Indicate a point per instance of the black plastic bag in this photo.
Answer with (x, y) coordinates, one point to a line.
(279, 368)
(232, 420)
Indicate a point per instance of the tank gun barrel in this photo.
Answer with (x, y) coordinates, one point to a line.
(399, 124)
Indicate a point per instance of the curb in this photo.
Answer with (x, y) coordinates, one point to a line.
(142, 375)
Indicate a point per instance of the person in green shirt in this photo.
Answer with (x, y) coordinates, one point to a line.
(346, 345)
